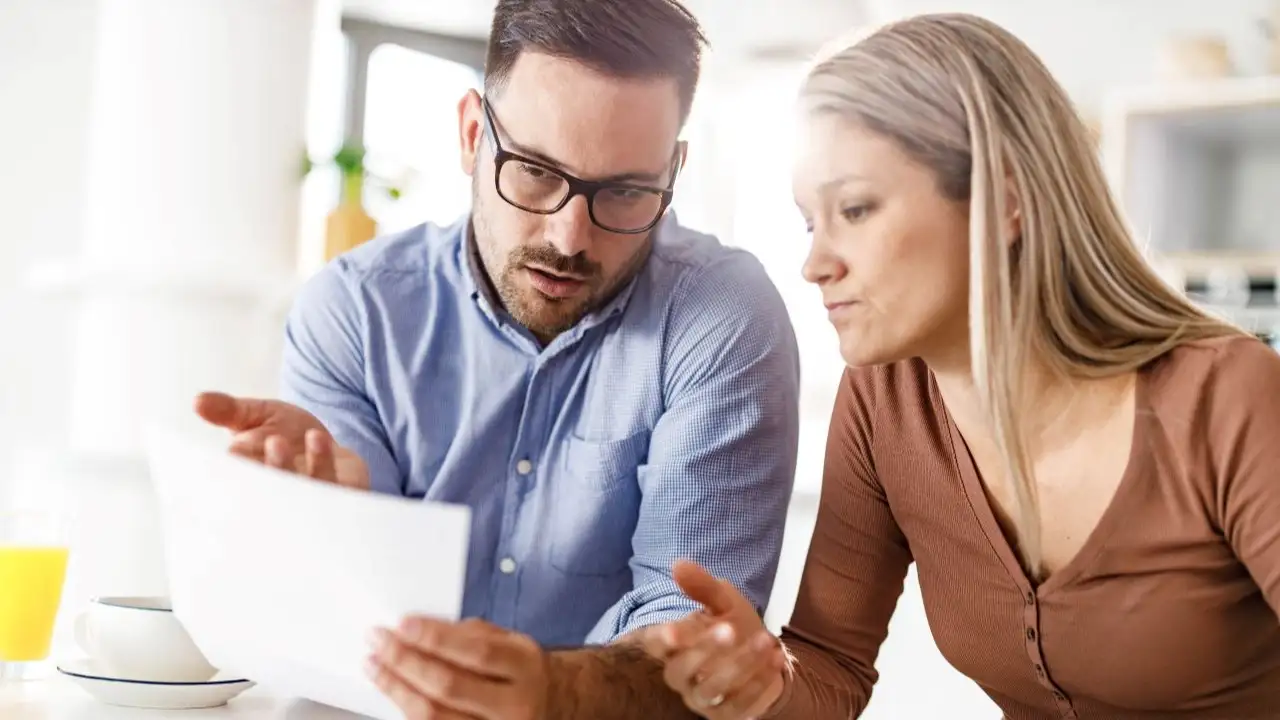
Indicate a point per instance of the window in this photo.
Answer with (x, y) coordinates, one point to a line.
(695, 197)
(758, 124)
(411, 135)
(327, 97)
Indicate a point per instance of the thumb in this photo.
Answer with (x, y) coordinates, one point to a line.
(716, 595)
(235, 414)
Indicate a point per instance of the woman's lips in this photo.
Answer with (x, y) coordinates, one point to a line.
(837, 310)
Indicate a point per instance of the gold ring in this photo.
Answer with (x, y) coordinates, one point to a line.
(716, 701)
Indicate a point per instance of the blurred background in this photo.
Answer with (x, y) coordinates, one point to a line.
(155, 217)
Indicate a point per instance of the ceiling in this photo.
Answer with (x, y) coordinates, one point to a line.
(735, 27)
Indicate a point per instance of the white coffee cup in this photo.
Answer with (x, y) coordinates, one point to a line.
(141, 639)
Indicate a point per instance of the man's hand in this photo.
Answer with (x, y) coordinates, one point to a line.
(283, 436)
(722, 661)
(460, 671)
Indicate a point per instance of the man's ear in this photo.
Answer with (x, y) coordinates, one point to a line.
(470, 130)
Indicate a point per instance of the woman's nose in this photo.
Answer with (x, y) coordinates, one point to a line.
(821, 266)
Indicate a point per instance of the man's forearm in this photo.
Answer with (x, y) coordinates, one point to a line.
(614, 682)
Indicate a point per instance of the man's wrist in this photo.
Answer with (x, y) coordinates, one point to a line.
(569, 684)
(554, 686)
(618, 680)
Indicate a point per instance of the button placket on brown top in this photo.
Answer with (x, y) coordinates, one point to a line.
(985, 515)
(1031, 618)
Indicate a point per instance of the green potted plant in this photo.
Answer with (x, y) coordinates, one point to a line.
(349, 224)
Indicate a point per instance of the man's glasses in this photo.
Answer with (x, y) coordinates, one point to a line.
(537, 187)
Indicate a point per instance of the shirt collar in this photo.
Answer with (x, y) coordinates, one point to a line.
(474, 278)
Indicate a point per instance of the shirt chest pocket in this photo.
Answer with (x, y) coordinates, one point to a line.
(595, 505)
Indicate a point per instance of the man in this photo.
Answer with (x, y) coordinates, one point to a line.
(608, 391)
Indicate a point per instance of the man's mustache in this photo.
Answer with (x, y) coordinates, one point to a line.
(548, 258)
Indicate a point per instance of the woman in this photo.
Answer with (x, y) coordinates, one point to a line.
(1084, 466)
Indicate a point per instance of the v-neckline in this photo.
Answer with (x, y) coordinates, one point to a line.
(1097, 537)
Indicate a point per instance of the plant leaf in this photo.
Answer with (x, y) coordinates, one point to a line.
(350, 159)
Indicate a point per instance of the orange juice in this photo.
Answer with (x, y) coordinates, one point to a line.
(30, 591)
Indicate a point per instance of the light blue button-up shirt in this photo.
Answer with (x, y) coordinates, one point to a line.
(662, 426)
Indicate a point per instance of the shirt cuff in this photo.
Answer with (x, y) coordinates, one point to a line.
(640, 609)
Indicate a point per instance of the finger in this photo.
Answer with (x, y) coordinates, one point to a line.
(278, 453)
(319, 456)
(349, 469)
(442, 683)
(756, 696)
(683, 669)
(662, 641)
(414, 705)
(718, 596)
(687, 632)
(249, 444)
(473, 645)
(233, 413)
(728, 673)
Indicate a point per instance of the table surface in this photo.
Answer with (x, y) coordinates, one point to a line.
(56, 698)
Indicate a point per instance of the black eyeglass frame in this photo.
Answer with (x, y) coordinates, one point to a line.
(577, 186)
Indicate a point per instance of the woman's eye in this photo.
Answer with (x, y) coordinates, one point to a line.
(855, 213)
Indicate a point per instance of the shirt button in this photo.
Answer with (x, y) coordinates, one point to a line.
(1039, 670)
(524, 467)
(1031, 597)
(1031, 634)
(507, 566)
(1059, 696)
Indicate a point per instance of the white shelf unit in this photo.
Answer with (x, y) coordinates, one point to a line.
(1196, 167)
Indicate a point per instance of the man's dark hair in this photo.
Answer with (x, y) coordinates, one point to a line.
(622, 38)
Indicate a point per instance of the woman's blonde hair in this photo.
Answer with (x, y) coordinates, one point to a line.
(970, 101)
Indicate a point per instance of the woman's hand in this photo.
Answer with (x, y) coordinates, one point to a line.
(722, 661)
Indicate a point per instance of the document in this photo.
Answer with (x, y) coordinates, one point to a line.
(279, 578)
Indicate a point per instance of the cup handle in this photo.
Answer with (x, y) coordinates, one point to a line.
(84, 636)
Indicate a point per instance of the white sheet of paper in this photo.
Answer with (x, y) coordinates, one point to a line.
(279, 578)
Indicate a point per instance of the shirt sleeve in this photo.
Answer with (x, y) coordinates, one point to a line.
(1244, 434)
(323, 371)
(722, 456)
(853, 576)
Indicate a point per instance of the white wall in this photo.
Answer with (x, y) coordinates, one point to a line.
(46, 50)
(133, 160)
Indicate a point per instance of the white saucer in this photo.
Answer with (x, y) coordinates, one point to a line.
(149, 694)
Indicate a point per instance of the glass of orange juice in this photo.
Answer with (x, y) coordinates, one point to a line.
(33, 568)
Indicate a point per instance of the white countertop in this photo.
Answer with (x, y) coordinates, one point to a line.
(56, 698)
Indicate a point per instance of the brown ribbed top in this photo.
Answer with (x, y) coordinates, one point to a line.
(1169, 610)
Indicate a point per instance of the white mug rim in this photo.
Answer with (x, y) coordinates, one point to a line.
(146, 603)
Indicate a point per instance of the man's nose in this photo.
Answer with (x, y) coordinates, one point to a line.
(570, 229)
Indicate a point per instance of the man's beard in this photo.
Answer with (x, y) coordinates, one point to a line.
(543, 316)
(546, 316)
